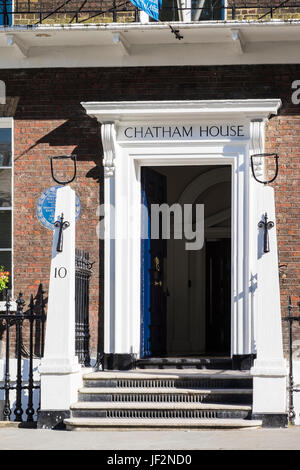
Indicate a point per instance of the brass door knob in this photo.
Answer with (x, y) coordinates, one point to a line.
(157, 263)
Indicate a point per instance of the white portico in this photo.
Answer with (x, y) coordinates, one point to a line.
(193, 133)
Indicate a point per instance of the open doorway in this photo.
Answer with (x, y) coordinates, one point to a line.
(186, 293)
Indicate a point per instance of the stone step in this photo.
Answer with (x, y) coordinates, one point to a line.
(156, 395)
(150, 406)
(168, 374)
(98, 424)
(159, 399)
(158, 410)
(158, 413)
(168, 381)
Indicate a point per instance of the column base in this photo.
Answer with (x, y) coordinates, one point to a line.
(114, 361)
(269, 388)
(52, 419)
(60, 383)
(243, 361)
(272, 420)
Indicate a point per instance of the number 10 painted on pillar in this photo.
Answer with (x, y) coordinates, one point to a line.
(60, 272)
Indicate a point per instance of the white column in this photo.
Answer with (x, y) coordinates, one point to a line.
(109, 264)
(123, 262)
(239, 330)
(60, 370)
(108, 136)
(269, 371)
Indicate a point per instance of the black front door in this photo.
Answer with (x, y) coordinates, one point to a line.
(218, 296)
(153, 252)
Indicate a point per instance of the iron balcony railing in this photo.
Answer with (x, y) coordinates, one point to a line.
(31, 12)
(23, 335)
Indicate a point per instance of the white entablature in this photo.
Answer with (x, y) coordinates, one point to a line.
(249, 114)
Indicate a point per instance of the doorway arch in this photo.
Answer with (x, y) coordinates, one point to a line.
(187, 269)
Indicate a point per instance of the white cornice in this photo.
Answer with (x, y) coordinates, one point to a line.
(276, 23)
(124, 111)
(150, 44)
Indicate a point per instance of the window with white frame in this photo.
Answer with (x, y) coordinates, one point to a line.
(6, 175)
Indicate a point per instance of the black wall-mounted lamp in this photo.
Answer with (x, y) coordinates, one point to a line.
(64, 157)
(266, 225)
(264, 155)
(62, 225)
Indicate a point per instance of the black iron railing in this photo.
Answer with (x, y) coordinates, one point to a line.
(32, 12)
(23, 333)
(290, 319)
(82, 331)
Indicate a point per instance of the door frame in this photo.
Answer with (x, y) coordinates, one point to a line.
(216, 160)
(196, 185)
(123, 158)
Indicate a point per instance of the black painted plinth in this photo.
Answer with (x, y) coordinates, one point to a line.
(185, 363)
(52, 419)
(272, 420)
(118, 361)
(243, 361)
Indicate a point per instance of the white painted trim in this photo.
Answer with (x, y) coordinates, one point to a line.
(170, 157)
(151, 44)
(8, 122)
(127, 111)
(123, 269)
(210, 24)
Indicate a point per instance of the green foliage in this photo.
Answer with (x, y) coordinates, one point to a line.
(4, 278)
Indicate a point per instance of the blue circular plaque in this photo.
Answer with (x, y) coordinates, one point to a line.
(46, 207)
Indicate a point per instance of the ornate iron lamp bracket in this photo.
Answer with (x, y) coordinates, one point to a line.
(266, 225)
(62, 225)
(64, 157)
(176, 33)
(264, 155)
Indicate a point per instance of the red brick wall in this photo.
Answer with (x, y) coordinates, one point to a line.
(49, 120)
